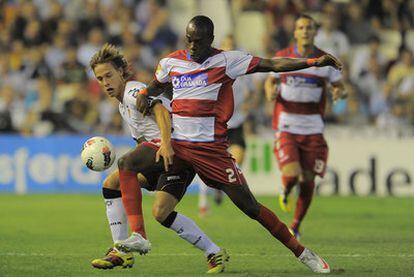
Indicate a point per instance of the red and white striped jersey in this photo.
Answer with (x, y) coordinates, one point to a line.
(202, 93)
(300, 104)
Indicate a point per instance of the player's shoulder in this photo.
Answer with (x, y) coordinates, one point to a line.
(131, 90)
(181, 54)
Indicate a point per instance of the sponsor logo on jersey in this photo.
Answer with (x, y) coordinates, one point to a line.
(134, 92)
(299, 81)
(190, 80)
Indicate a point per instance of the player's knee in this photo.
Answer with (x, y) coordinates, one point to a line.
(160, 212)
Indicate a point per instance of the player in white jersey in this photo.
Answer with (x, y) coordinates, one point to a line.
(111, 71)
(202, 79)
(300, 147)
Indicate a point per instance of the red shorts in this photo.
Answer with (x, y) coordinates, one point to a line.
(311, 151)
(211, 161)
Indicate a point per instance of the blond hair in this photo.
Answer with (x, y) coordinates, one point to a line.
(111, 54)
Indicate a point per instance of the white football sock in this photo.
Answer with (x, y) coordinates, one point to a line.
(202, 196)
(188, 230)
(117, 219)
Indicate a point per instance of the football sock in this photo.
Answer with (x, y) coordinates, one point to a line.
(303, 203)
(288, 183)
(202, 196)
(279, 230)
(115, 213)
(188, 230)
(132, 200)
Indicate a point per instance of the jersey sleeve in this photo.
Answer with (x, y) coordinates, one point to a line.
(163, 70)
(239, 63)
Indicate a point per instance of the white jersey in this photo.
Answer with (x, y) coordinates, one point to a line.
(140, 126)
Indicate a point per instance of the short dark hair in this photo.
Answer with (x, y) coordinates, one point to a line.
(307, 16)
(205, 23)
(110, 54)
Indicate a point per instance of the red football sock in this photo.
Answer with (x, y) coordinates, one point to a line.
(303, 203)
(132, 200)
(288, 183)
(279, 230)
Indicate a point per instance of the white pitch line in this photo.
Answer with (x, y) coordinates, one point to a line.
(232, 254)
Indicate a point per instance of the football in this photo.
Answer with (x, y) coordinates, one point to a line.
(98, 153)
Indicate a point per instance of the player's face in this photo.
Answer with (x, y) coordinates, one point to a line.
(198, 43)
(110, 79)
(305, 31)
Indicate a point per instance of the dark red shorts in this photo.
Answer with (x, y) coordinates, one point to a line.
(211, 161)
(311, 151)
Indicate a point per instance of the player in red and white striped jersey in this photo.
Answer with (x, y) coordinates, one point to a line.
(300, 97)
(202, 103)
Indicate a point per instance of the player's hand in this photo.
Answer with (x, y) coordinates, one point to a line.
(167, 153)
(142, 104)
(338, 93)
(328, 60)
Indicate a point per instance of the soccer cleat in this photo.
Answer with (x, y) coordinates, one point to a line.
(135, 243)
(285, 202)
(314, 262)
(294, 233)
(114, 258)
(216, 262)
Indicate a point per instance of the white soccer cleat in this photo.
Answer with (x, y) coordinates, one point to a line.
(314, 262)
(135, 243)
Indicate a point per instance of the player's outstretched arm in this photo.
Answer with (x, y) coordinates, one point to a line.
(163, 119)
(291, 64)
(154, 88)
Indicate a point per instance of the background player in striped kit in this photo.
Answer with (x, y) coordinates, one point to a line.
(300, 96)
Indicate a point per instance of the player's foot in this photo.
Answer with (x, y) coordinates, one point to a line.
(285, 202)
(295, 233)
(218, 197)
(135, 243)
(114, 258)
(216, 262)
(314, 262)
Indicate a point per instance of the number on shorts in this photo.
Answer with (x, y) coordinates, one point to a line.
(230, 175)
(319, 166)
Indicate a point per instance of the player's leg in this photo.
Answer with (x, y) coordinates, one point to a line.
(218, 170)
(140, 159)
(203, 205)
(287, 154)
(118, 225)
(314, 154)
(306, 188)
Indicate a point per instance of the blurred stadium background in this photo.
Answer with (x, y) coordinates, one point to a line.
(50, 104)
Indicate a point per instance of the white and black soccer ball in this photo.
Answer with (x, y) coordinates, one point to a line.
(98, 154)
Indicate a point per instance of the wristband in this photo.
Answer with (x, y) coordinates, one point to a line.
(143, 92)
(311, 62)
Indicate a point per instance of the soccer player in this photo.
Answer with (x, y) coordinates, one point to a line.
(300, 147)
(202, 79)
(111, 71)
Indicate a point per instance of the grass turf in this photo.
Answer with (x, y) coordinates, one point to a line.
(58, 235)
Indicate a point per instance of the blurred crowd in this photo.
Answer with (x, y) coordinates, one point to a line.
(46, 85)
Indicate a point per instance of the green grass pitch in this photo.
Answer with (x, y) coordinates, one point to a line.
(58, 235)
